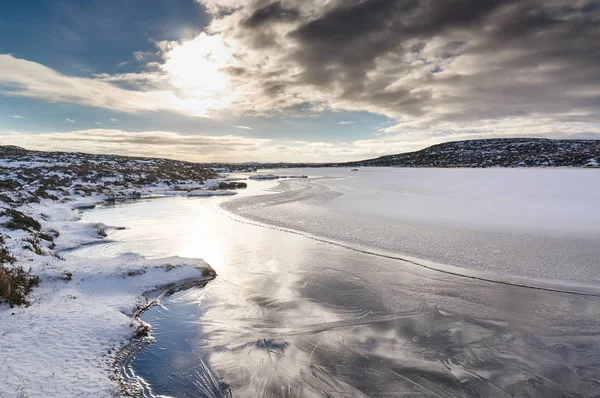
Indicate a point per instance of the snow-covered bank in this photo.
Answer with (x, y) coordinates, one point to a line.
(65, 341)
(64, 344)
(537, 224)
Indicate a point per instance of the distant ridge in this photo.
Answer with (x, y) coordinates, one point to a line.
(498, 152)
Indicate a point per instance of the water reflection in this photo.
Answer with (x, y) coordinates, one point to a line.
(293, 317)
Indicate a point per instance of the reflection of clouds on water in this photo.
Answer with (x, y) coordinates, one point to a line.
(284, 352)
(289, 316)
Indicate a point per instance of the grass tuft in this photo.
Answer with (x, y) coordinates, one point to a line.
(16, 284)
(20, 221)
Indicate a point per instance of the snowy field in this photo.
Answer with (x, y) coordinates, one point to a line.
(533, 224)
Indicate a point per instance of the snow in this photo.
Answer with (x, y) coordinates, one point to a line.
(211, 193)
(64, 344)
(274, 177)
(527, 200)
(83, 204)
(263, 177)
(535, 224)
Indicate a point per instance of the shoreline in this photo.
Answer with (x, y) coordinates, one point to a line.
(128, 383)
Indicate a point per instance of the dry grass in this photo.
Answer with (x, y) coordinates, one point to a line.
(20, 221)
(5, 256)
(16, 284)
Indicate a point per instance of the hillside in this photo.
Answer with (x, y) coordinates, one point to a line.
(27, 176)
(502, 152)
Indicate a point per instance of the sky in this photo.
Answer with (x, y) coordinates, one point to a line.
(294, 80)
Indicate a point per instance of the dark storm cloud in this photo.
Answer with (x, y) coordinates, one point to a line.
(390, 21)
(449, 59)
(271, 13)
(350, 38)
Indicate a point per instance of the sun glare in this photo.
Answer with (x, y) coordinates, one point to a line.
(195, 68)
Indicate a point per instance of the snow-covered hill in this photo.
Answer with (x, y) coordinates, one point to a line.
(55, 174)
(502, 152)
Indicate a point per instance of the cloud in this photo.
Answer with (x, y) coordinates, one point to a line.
(417, 61)
(271, 13)
(536, 127)
(17, 117)
(70, 120)
(200, 148)
(345, 122)
(142, 56)
(24, 78)
(244, 127)
(113, 120)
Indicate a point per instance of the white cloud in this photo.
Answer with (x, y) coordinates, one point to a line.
(17, 117)
(148, 143)
(113, 120)
(345, 122)
(142, 56)
(98, 123)
(29, 79)
(202, 148)
(244, 127)
(70, 120)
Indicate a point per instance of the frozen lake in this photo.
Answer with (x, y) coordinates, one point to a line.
(293, 316)
(528, 225)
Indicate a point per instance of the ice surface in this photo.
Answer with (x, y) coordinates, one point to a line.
(530, 223)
